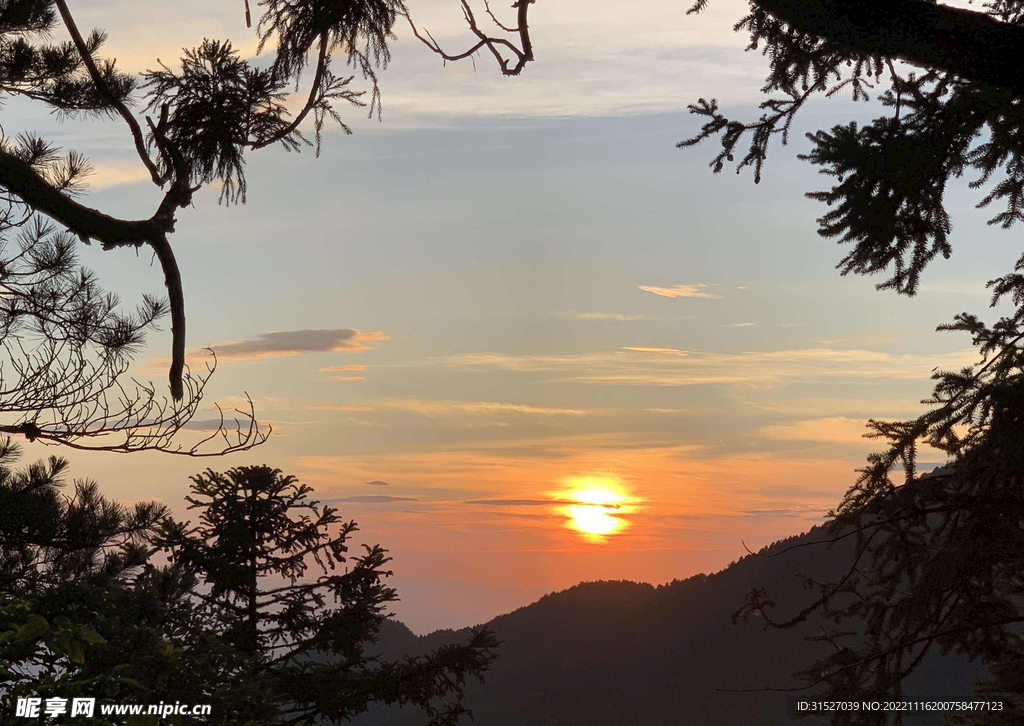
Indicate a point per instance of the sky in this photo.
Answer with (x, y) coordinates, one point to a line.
(512, 308)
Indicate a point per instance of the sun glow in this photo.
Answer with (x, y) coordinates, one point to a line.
(593, 519)
(595, 507)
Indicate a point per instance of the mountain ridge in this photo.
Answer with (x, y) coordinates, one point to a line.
(614, 653)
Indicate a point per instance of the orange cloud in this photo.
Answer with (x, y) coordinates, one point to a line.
(613, 317)
(298, 342)
(831, 430)
(759, 368)
(343, 407)
(432, 408)
(650, 349)
(681, 290)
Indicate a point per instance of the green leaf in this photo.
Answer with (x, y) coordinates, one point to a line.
(90, 636)
(33, 627)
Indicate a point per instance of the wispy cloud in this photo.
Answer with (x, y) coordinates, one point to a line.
(108, 174)
(591, 67)
(650, 349)
(377, 483)
(210, 424)
(758, 368)
(513, 502)
(831, 430)
(741, 325)
(610, 317)
(341, 369)
(341, 407)
(371, 499)
(796, 511)
(956, 287)
(298, 342)
(682, 290)
(539, 503)
(436, 408)
(260, 403)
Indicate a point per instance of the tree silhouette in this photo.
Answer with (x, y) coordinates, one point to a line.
(938, 557)
(300, 640)
(235, 620)
(76, 616)
(65, 345)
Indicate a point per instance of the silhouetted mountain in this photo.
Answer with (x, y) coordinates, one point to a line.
(623, 653)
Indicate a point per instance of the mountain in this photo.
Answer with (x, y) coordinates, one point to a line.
(624, 653)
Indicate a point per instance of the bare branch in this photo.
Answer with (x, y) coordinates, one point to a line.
(522, 54)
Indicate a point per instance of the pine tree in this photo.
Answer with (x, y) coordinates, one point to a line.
(268, 561)
(251, 616)
(66, 346)
(77, 617)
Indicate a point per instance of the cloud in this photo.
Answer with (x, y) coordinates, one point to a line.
(211, 424)
(260, 403)
(298, 342)
(341, 407)
(540, 503)
(611, 317)
(649, 349)
(681, 290)
(341, 369)
(353, 421)
(512, 502)
(371, 499)
(435, 408)
(787, 512)
(741, 325)
(590, 67)
(754, 368)
(106, 175)
(346, 378)
(831, 430)
(955, 287)
(377, 483)
(817, 407)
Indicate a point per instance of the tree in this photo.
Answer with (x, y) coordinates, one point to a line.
(66, 347)
(301, 642)
(232, 621)
(938, 560)
(70, 590)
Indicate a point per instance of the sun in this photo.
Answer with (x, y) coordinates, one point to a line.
(593, 519)
(594, 507)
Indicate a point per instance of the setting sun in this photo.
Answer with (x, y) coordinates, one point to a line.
(593, 519)
(594, 507)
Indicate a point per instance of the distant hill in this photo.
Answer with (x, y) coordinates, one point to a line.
(625, 653)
